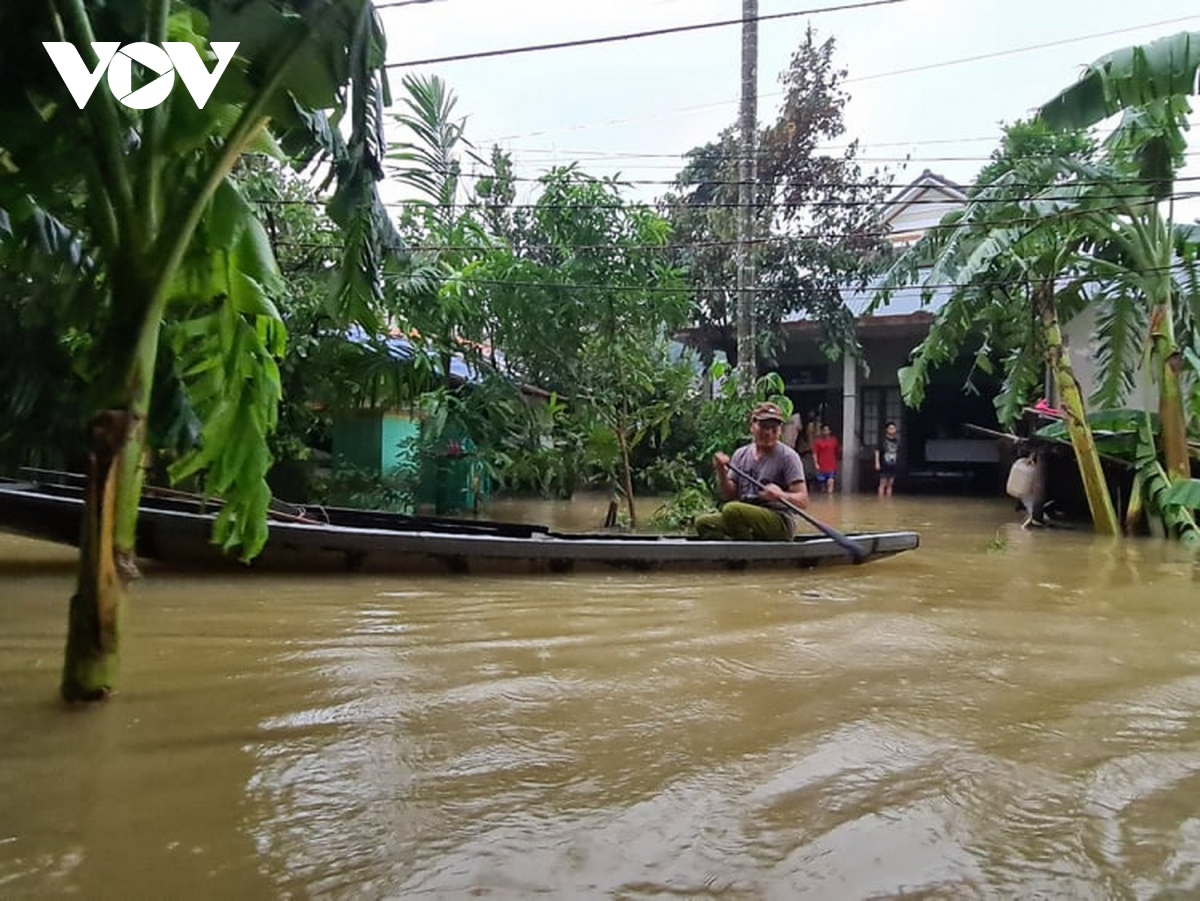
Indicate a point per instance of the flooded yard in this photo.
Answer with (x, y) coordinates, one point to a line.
(1001, 713)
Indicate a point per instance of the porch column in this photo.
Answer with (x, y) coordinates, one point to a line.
(850, 442)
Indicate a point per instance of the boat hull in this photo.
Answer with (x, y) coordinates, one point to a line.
(173, 534)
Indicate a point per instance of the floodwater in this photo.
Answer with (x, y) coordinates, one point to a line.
(999, 714)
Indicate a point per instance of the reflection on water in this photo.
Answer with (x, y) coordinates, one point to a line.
(999, 714)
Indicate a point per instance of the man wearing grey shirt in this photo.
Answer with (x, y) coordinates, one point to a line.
(752, 513)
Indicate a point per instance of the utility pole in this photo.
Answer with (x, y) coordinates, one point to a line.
(747, 175)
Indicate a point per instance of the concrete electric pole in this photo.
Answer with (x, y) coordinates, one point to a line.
(747, 175)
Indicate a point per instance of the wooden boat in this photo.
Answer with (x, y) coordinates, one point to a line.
(176, 530)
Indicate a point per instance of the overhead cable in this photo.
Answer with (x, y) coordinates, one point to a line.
(726, 182)
(922, 68)
(635, 35)
(781, 239)
(762, 287)
(834, 204)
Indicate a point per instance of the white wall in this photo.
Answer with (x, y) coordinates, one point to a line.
(920, 216)
(1079, 336)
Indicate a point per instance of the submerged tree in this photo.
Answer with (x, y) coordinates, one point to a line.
(170, 248)
(1006, 262)
(1093, 225)
(586, 307)
(1149, 85)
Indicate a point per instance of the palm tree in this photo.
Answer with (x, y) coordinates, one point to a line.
(171, 251)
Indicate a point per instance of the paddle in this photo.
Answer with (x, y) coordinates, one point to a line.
(852, 548)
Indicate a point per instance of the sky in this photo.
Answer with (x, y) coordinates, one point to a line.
(634, 107)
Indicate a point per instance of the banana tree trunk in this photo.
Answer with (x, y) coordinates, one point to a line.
(1104, 515)
(105, 568)
(108, 552)
(1133, 513)
(1170, 394)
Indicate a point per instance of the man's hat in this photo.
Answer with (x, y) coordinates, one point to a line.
(767, 413)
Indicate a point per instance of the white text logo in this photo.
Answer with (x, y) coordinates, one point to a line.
(164, 61)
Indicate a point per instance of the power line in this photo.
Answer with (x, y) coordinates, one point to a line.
(724, 182)
(770, 205)
(686, 159)
(635, 155)
(999, 53)
(395, 3)
(869, 77)
(734, 157)
(634, 35)
(693, 245)
(767, 288)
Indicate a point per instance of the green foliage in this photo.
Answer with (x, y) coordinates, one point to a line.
(156, 216)
(724, 421)
(1171, 501)
(1117, 432)
(428, 162)
(1193, 362)
(352, 486)
(44, 404)
(586, 308)
(542, 447)
(668, 475)
(1183, 494)
(681, 510)
(985, 252)
(722, 425)
(1134, 248)
(1129, 78)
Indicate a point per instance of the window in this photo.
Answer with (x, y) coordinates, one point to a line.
(879, 407)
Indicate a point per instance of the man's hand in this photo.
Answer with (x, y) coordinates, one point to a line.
(771, 492)
(725, 485)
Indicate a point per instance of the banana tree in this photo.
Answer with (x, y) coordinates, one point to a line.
(171, 251)
(1006, 262)
(1136, 244)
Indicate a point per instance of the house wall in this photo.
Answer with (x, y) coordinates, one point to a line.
(885, 358)
(396, 430)
(373, 440)
(356, 439)
(916, 218)
(1079, 336)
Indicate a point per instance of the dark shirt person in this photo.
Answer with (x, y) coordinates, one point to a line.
(751, 513)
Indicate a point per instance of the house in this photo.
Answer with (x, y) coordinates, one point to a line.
(857, 397)
(382, 441)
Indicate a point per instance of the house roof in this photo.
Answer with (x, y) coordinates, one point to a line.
(907, 308)
(927, 182)
(402, 348)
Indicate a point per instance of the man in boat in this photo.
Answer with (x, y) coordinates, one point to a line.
(751, 512)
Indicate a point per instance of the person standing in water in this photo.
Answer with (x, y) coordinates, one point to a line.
(887, 454)
(827, 450)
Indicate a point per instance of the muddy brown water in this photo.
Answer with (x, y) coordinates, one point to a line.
(998, 714)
